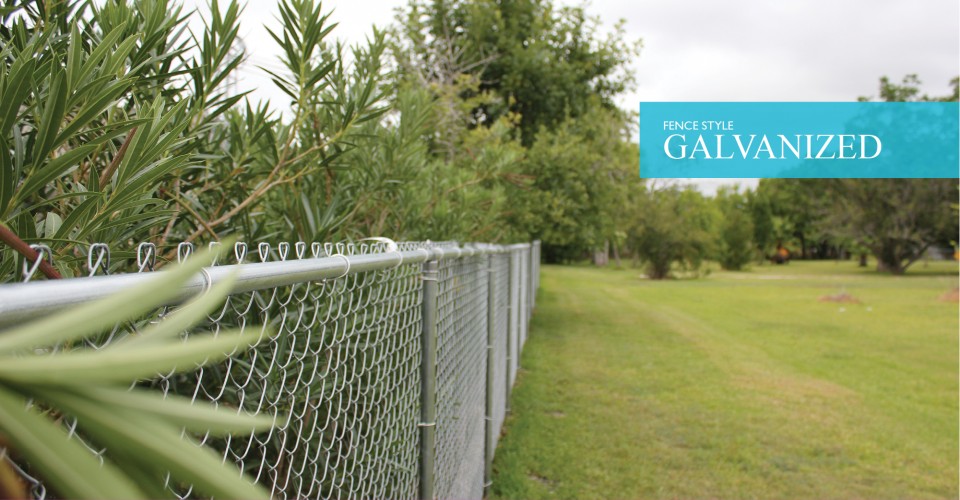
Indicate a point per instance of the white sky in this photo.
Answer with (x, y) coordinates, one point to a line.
(707, 50)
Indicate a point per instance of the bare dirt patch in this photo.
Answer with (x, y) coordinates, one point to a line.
(542, 480)
(842, 298)
(952, 296)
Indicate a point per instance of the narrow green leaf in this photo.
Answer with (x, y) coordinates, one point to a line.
(51, 224)
(88, 319)
(74, 56)
(19, 84)
(142, 436)
(124, 365)
(53, 200)
(194, 416)
(52, 116)
(147, 476)
(147, 176)
(8, 177)
(133, 204)
(181, 319)
(54, 169)
(106, 95)
(82, 212)
(118, 57)
(106, 46)
(120, 222)
(69, 468)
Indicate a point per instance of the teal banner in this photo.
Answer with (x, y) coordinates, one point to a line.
(799, 140)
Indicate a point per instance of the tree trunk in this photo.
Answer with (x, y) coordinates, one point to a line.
(890, 258)
(658, 271)
(601, 256)
(616, 256)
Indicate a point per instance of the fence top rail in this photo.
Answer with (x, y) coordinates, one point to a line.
(20, 302)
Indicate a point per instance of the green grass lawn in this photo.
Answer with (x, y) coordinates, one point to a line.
(737, 385)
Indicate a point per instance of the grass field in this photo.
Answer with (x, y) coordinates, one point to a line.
(737, 385)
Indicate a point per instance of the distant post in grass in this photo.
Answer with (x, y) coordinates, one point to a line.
(428, 379)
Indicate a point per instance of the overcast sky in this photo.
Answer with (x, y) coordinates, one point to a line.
(706, 50)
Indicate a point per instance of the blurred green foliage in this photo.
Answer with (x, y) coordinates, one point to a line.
(466, 120)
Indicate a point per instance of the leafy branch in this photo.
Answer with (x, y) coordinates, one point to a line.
(140, 429)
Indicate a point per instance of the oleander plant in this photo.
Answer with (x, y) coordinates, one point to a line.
(61, 399)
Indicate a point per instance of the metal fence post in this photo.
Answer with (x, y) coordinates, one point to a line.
(488, 430)
(537, 283)
(428, 380)
(522, 298)
(511, 325)
(538, 264)
(531, 291)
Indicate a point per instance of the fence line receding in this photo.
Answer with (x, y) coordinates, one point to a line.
(371, 342)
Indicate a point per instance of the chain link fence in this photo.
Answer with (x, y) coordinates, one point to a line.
(393, 362)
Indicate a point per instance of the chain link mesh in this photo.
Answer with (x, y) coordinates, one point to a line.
(345, 368)
(499, 275)
(461, 377)
(513, 341)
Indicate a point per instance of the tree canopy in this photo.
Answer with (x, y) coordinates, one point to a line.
(467, 120)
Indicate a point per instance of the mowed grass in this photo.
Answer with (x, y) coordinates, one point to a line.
(737, 385)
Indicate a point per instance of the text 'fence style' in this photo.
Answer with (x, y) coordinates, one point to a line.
(393, 362)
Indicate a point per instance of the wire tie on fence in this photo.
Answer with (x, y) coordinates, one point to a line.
(207, 280)
(240, 251)
(427, 424)
(216, 255)
(146, 256)
(102, 252)
(346, 260)
(399, 254)
(184, 250)
(391, 245)
(263, 249)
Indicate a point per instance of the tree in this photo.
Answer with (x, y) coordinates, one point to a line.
(909, 90)
(897, 219)
(115, 127)
(543, 75)
(545, 63)
(735, 246)
(764, 225)
(796, 210)
(583, 174)
(672, 226)
(469, 163)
